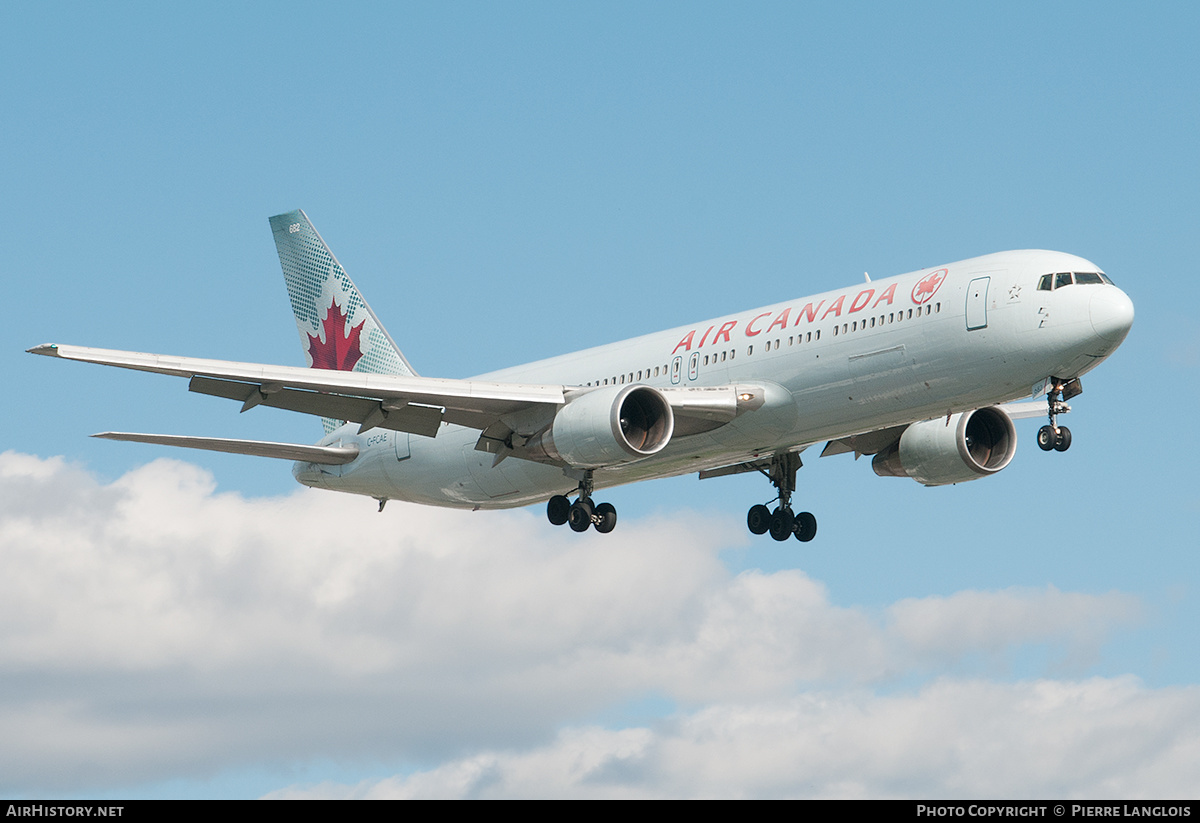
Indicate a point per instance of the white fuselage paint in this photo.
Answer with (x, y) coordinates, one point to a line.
(988, 337)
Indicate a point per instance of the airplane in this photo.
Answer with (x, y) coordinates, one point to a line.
(925, 372)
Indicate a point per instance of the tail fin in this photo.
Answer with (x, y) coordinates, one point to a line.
(337, 328)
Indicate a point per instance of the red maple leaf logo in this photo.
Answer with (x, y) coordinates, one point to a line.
(340, 351)
(926, 287)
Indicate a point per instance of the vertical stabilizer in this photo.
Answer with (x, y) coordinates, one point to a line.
(337, 328)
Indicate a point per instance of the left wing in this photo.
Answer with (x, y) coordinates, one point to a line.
(401, 402)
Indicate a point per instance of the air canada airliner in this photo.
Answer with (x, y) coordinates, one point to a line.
(925, 371)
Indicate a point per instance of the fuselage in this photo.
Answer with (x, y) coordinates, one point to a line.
(880, 354)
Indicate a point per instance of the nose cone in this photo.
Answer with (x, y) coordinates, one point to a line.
(1112, 313)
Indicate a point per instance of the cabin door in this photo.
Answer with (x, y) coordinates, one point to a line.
(977, 303)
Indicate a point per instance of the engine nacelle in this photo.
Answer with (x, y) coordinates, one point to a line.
(606, 427)
(971, 445)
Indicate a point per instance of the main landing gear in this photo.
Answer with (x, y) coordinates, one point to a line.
(781, 522)
(583, 512)
(1055, 437)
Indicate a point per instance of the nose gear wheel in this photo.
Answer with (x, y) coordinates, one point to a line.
(1055, 437)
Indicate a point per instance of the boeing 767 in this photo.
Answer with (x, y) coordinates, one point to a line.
(923, 371)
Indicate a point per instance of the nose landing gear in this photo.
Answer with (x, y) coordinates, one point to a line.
(1055, 437)
(781, 522)
(582, 513)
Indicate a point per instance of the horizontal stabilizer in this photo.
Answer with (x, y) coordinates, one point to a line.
(327, 455)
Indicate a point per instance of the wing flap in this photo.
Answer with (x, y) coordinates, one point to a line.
(423, 420)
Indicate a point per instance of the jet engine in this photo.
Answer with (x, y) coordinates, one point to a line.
(612, 425)
(965, 447)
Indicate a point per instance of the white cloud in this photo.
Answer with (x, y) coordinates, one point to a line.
(155, 629)
(1049, 739)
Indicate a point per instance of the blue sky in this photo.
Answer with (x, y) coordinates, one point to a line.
(508, 182)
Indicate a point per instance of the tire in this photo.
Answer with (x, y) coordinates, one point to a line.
(1047, 438)
(782, 523)
(806, 527)
(580, 516)
(608, 518)
(558, 509)
(1063, 441)
(758, 520)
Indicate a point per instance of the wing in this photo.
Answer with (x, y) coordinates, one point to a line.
(401, 402)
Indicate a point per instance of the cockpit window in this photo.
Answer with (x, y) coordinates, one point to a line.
(1049, 282)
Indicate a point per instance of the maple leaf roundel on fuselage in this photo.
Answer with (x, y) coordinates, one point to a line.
(340, 351)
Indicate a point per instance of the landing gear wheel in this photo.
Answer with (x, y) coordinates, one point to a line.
(782, 523)
(1047, 438)
(558, 509)
(759, 519)
(606, 518)
(806, 527)
(1063, 441)
(580, 515)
